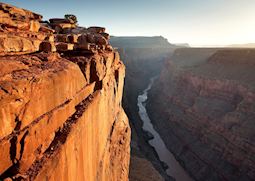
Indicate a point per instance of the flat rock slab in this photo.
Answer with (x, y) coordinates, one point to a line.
(22, 19)
(64, 46)
(11, 44)
(96, 29)
(47, 46)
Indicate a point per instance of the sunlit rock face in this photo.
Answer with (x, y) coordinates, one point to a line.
(61, 116)
(203, 107)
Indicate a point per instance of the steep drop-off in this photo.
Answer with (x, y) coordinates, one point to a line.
(61, 116)
(143, 58)
(204, 109)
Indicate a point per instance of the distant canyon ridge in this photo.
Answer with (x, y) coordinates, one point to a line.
(68, 104)
(202, 104)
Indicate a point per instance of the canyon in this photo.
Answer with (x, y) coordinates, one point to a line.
(172, 166)
(79, 104)
(144, 58)
(61, 116)
(202, 105)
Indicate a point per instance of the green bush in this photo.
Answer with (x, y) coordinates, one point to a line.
(71, 17)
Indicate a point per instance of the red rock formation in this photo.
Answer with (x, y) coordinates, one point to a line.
(60, 116)
(19, 31)
(204, 110)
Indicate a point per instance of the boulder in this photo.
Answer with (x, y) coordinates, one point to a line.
(46, 29)
(36, 43)
(47, 46)
(61, 38)
(91, 38)
(66, 31)
(61, 27)
(9, 23)
(64, 25)
(82, 39)
(72, 38)
(34, 26)
(50, 38)
(83, 46)
(105, 35)
(20, 13)
(60, 20)
(14, 44)
(64, 46)
(18, 18)
(96, 29)
(78, 30)
(101, 40)
(108, 48)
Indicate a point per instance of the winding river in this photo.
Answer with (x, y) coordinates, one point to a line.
(174, 170)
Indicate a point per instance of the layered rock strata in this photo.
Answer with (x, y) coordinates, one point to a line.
(143, 58)
(60, 116)
(203, 108)
(19, 30)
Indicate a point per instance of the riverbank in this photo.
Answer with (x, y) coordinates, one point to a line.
(173, 168)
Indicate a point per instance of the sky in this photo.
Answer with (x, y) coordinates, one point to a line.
(197, 22)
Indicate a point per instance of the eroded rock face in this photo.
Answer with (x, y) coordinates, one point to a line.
(23, 31)
(60, 114)
(19, 30)
(203, 107)
(13, 17)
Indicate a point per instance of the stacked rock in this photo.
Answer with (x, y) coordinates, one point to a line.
(20, 30)
(91, 40)
(95, 37)
(61, 25)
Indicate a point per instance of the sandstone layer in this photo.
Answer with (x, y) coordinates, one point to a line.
(203, 107)
(61, 116)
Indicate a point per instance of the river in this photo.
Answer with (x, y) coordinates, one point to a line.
(174, 170)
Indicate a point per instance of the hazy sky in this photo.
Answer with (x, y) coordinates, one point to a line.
(197, 22)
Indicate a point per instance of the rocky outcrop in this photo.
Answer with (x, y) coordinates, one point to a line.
(60, 116)
(203, 107)
(19, 30)
(23, 32)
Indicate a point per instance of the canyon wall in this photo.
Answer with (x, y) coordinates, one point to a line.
(143, 58)
(61, 116)
(203, 106)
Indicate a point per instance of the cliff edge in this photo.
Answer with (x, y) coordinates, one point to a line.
(60, 94)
